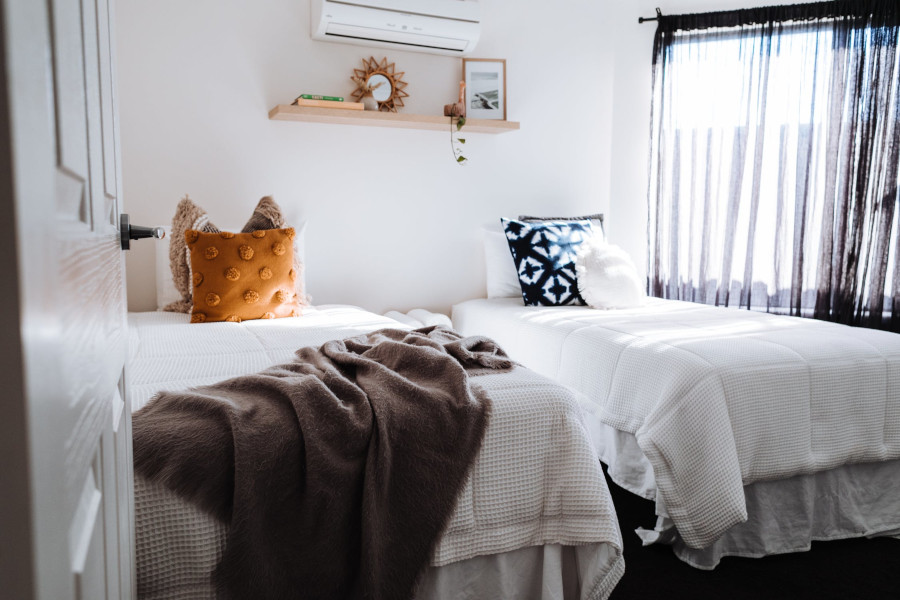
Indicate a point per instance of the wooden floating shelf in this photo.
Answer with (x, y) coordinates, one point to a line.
(286, 112)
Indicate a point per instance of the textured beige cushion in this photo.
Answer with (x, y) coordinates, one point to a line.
(266, 215)
(188, 215)
(242, 276)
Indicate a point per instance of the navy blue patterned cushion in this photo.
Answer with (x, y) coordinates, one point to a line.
(544, 254)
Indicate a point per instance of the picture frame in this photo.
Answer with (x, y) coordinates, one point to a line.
(485, 88)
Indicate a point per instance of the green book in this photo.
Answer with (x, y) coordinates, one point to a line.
(317, 97)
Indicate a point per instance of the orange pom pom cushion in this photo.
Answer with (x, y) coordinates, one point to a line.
(242, 276)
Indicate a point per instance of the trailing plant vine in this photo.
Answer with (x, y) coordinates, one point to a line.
(457, 110)
(456, 141)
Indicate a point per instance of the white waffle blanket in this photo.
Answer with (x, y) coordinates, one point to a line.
(537, 480)
(717, 398)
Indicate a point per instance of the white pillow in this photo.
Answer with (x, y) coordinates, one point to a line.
(165, 286)
(500, 269)
(419, 317)
(607, 277)
(300, 247)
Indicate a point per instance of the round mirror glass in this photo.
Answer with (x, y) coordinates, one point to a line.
(383, 91)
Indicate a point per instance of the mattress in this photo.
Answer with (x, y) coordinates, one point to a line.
(534, 519)
(689, 397)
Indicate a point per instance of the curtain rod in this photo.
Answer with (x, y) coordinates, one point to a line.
(656, 18)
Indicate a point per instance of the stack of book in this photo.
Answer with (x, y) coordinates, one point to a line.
(326, 102)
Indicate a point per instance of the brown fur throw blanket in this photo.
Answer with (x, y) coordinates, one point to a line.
(336, 472)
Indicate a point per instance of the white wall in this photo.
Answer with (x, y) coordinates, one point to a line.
(393, 222)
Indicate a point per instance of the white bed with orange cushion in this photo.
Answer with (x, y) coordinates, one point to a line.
(534, 519)
(719, 415)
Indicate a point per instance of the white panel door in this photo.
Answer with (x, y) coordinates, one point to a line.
(67, 501)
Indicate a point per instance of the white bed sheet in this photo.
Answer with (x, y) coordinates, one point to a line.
(178, 545)
(163, 355)
(588, 350)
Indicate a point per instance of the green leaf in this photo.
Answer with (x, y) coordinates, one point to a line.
(461, 140)
(460, 158)
(460, 123)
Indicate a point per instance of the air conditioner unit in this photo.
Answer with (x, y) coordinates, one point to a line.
(435, 26)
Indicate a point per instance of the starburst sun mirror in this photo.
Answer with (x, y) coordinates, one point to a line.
(382, 81)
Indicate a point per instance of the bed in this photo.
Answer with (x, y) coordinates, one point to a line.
(534, 518)
(754, 434)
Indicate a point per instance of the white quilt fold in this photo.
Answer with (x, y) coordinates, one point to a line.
(717, 398)
(536, 481)
(733, 402)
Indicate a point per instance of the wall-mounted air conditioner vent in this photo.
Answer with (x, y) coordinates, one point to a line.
(435, 26)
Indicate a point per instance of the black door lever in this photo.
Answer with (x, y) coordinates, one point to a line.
(130, 232)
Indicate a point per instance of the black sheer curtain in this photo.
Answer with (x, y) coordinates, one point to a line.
(775, 147)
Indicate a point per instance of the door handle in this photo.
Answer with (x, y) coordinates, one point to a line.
(130, 232)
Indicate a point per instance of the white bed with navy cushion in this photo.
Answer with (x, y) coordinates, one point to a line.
(534, 519)
(753, 433)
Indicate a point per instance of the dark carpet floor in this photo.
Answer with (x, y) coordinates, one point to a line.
(844, 569)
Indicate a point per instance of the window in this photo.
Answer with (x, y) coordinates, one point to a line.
(774, 165)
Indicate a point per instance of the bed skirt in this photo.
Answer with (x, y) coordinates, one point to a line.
(857, 500)
(179, 546)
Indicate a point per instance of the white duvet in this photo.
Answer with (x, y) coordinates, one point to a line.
(536, 481)
(716, 398)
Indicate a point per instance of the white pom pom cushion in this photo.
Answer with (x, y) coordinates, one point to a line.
(606, 276)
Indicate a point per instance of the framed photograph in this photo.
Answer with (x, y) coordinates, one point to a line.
(485, 88)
